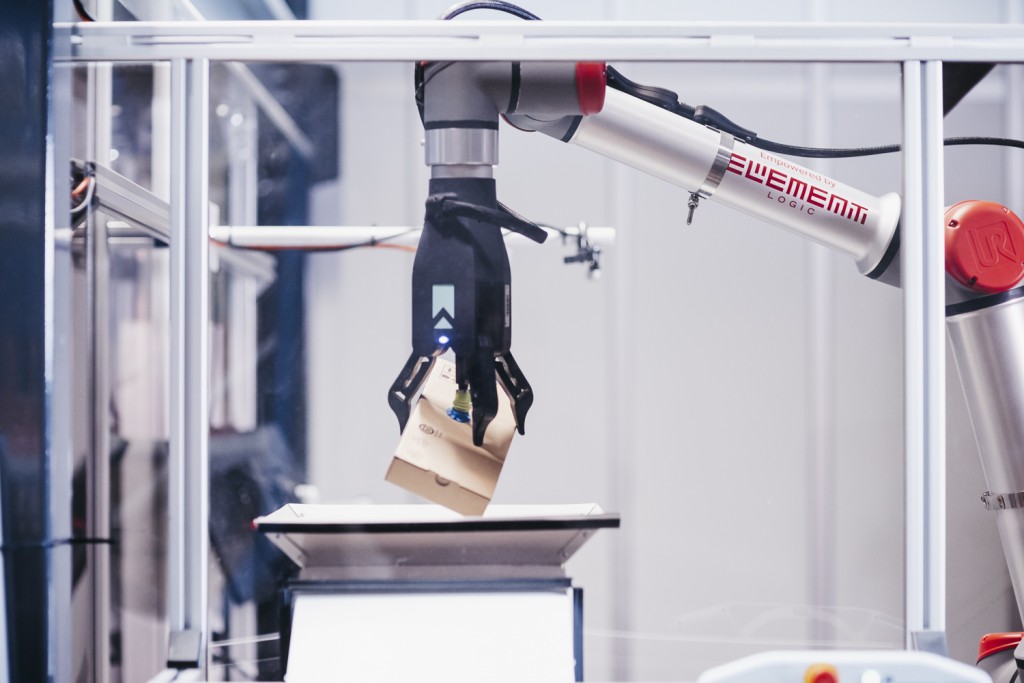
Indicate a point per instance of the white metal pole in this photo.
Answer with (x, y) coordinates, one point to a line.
(913, 359)
(97, 270)
(98, 147)
(622, 425)
(821, 440)
(189, 415)
(924, 356)
(196, 349)
(935, 351)
(326, 236)
(57, 345)
(176, 431)
(513, 40)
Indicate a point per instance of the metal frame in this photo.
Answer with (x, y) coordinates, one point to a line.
(98, 144)
(98, 298)
(188, 483)
(121, 198)
(299, 41)
(924, 357)
(145, 216)
(919, 48)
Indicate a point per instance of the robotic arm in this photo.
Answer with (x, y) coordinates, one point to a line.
(461, 292)
(462, 285)
(713, 163)
(461, 281)
(984, 265)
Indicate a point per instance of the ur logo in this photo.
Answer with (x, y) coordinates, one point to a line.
(992, 242)
(426, 429)
(443, 307)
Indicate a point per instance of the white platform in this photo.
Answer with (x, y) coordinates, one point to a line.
(418, 592)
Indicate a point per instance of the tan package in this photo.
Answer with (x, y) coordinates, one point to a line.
(436, 457)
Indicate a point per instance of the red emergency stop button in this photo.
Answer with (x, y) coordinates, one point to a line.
(984, 246)
(821, 673)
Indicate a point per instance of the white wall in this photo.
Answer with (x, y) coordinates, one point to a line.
(758, 368)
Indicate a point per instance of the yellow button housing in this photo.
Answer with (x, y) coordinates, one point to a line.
(821, 673)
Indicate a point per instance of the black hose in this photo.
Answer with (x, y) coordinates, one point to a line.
(497, 5)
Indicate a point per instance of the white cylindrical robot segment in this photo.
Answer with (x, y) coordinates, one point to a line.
(762, 184)
(987, 336)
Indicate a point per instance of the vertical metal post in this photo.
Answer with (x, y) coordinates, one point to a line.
(935, 349)
(97, 276)
(189, 412)
(98, 145)
(1014, 112)
(161, 122)
(924, 357)
(60, 338)
(622, 436)
(821, 437)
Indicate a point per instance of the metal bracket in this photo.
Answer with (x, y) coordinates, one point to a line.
(930, 641)
(184, 649)
(1003, 501)
(718, 166)
(715, 174)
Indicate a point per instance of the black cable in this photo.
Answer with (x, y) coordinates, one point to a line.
(1003, 142)
(661, 97)
(451, 13)
(497, 5)
(56, 543)
(669, 100)
(822, 152)
(80, 10)
(561, 231)
(842, 153)
(372, 242)
(1013, 678)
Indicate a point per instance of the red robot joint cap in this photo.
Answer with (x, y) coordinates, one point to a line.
(984, 246)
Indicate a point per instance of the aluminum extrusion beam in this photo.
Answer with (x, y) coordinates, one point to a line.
(188, 492)
(303, 41)
(920, 48)
(259, 93)
(924, 345)
(98, 492)
(122, 198)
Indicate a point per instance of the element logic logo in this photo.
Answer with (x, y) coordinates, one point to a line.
(796, 189)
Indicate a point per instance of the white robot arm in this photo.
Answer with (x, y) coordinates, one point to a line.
(462, 285)
(984, 262)
(714, 164)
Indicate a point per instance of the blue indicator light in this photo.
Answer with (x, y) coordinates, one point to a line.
(443, 339)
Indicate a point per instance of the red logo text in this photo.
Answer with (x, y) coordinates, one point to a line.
(804, 190)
